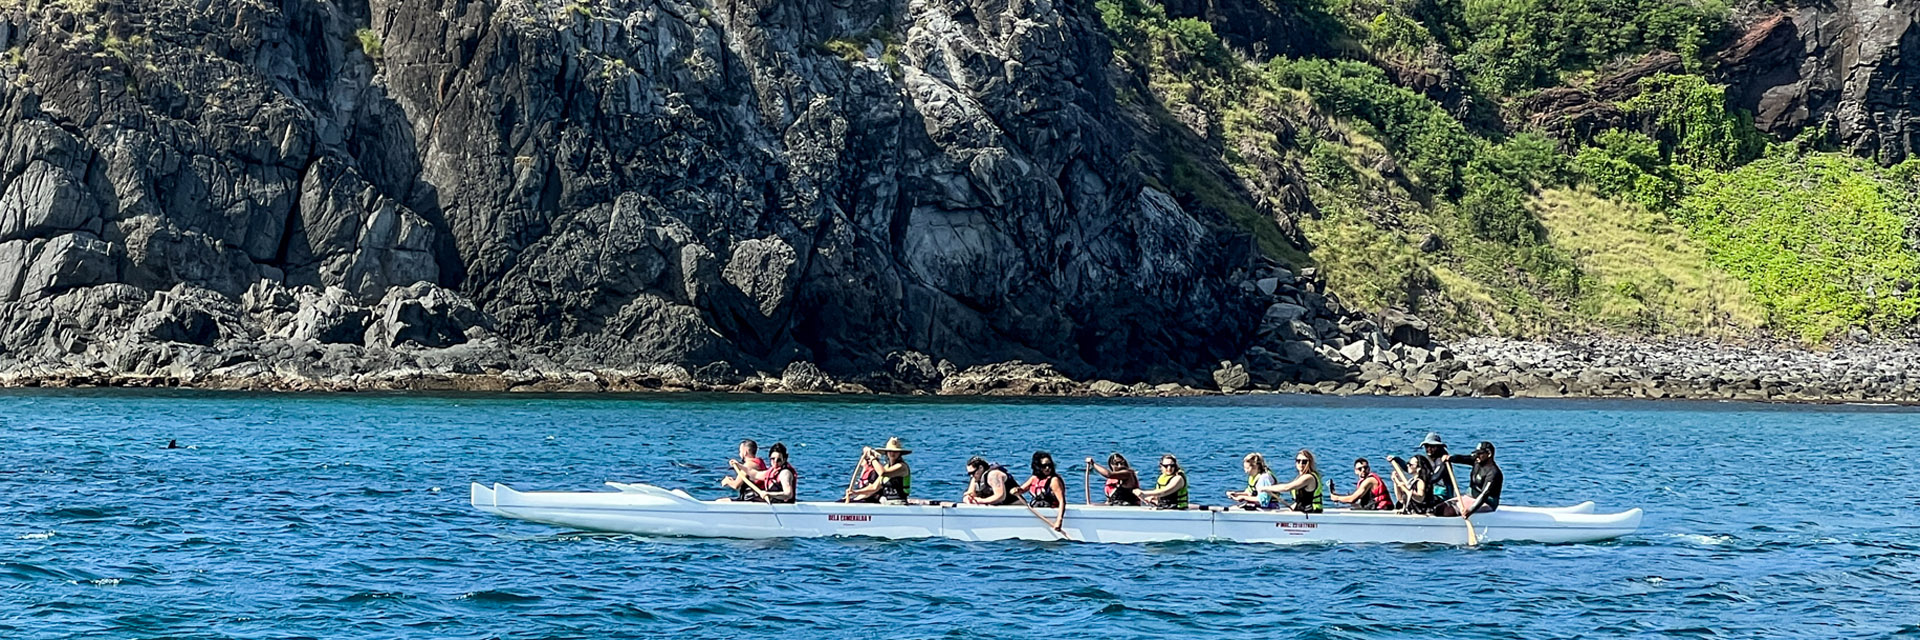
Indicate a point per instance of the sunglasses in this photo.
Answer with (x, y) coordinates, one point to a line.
(1166, 465)
(1301, 461)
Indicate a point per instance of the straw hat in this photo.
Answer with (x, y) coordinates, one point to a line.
(894, 444)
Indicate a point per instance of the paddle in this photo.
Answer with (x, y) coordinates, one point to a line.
(848, 496)
(1086, 481)
(767, 499)
(1043, 519)
(1459, 501)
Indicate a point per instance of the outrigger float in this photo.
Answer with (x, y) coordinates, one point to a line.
(652, 511)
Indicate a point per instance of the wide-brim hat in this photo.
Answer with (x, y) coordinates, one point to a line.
(894, 444)
(1433, 439)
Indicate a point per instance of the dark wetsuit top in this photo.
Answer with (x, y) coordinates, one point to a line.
(1485, 482)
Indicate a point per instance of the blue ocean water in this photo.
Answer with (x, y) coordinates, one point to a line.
(345, 516)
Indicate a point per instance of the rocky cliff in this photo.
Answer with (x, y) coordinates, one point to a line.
(709, 190)
(1852, 66)
(322, 188)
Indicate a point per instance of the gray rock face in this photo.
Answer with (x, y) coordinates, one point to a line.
(1853, 65)
(645, 182)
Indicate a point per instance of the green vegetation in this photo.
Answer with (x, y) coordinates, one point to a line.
(370, 43)
(1684, 220)
(1821, 239)
(847, 49)
(1513, 45)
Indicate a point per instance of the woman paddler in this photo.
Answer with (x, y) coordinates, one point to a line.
(884, 474)
(989, 484)
(1123, 483)
(780, 482)
(1260, 493)
(1307, 489)
(1047, 488)
(1171, 490)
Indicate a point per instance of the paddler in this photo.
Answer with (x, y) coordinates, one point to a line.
(1260, 493)
(1439, 479)
(777, 485)
(1485, 483)
(989, 484)
(1370, 493)
(884, 474)
(1307, 491)
(1416, 496)
(1047, 488)
(756, 467)
(1123, 484)
(1170, 492)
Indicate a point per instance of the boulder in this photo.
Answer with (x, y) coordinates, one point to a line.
(426, 315)
(332, 318)
(805, 377)
(1404, 328)
(1231, 377)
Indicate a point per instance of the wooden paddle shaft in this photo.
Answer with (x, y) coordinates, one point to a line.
(1460, 503)
(855, 477)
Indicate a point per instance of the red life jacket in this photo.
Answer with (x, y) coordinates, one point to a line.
(1380, 499)
(1042, 491)
(771, 482)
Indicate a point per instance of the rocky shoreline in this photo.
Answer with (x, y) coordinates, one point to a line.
(1475, 367)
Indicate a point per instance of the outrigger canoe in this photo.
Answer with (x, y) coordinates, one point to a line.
(652, 511)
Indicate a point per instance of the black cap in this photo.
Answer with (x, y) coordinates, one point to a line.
(1484, 446)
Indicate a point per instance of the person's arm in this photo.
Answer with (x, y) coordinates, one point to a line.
(1095, 466)
(1060, 491)
(1300, 482)
(1358, 490)
(1179, 482)
(1154, 494)
(999, 494)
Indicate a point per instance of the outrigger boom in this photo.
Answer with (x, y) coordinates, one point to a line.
(652, 511)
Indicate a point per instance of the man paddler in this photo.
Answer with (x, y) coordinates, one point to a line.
(990, 484)
(1484, 483)
(755, 469)
(884, 475)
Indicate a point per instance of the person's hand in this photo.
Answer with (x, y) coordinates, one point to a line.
(1089, 461)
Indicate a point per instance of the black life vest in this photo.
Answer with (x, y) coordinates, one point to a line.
(1308, 500)
(981, 490)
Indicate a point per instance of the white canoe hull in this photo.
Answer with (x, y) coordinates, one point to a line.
(651, 511)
